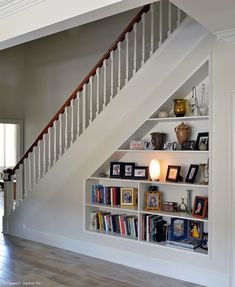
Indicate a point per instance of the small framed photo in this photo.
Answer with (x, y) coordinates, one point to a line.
(136, 145)
(170, 146)
(128, 169)
(200, 206)
(195, 229)
(128, 196)
(192, 173)
(116, 169)
(204, 241)
(173, 173)
(153, 200)
(188, 145)
(141, 172)
(179, 229)
(202, 142)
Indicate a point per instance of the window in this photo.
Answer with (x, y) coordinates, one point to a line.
(8, 145)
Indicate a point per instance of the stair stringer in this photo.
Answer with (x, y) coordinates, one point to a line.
(54, 212)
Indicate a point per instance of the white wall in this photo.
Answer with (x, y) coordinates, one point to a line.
(55, 65)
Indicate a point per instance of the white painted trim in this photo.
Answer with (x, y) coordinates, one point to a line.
(9, 7)
(226, 35)
(231, 186)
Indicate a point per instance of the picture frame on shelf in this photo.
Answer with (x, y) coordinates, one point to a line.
(192, 173)
(128, 196)
(153, 200)
(170, 146)
(204, 242)
(141, 172)
(195, 229)
(128, 170)
(116, 169)
(136, 145)
(200, 207)
(179, 229)
(188, 145)
(173, 173)
(202, 142)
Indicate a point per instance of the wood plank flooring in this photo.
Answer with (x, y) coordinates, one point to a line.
(27, 263)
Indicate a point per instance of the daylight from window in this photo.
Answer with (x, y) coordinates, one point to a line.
(8, 148)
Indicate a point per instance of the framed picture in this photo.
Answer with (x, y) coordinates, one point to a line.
(192, 173)
(152, 200)
(116, 169)
(188, 145)
(202, 142)
(170, 146)
(179, 229)
(200, 206)
(195, 229)
(141, 172)
(204, 241)
(173, 173)
(128, 169)
(128, 196)
(135, 145)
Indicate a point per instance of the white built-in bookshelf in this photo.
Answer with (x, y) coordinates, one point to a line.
(170, 191)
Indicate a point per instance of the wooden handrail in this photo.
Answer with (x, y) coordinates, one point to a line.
(99, 64)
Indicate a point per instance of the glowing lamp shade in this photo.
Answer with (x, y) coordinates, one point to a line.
(154, 170)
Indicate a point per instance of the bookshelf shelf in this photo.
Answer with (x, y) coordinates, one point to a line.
(185, 119)
(108, 207)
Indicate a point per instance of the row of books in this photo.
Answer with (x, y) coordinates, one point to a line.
(105, 195)
(154, 228)
(118, 223)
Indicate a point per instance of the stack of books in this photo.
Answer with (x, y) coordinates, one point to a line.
(105, 195)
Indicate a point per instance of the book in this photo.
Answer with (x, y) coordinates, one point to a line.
(189, 243)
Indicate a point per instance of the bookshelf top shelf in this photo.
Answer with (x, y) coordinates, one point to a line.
(183, 184)
(190, 118)
(162, 151)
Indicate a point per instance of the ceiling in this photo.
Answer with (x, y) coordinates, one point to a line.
(25, 20)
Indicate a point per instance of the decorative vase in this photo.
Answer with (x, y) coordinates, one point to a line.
(203, 107)
(189, 201)
(180, 107)
(182, 133)
(158, 140)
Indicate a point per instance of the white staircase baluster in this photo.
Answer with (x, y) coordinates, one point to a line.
(30, 166)
(21, 183)
(105, 83)
(50, 135)
(60, 136)
(39, 160)
(178, 16)
(160, 24)
(112, 76)
(127, 57)
(26, 175)
(135, 49)
(119, 66)
(169, 19)
(72, 121)
(84, 111)
(66, 129)
(34, 166)
(78, 99)
(44, 154)
(151, 29)
(143, 38)
(91, 99)
(17, 187)
(97, 91)
(55, 141)
(8, 199)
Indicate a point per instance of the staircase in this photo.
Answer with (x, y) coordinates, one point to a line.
(103, 94)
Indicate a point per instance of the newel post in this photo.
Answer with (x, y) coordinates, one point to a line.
(8, 198)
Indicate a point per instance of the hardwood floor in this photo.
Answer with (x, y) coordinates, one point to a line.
(27, 263)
